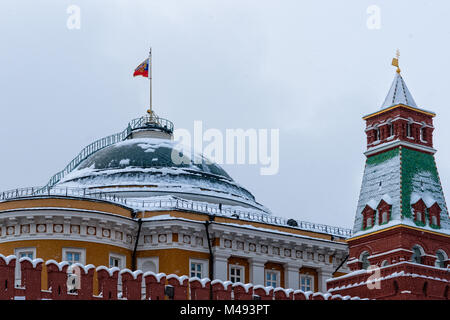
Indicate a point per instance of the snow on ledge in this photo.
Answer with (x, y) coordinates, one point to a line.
(8, 259)
(109, 270)
(225, 284)
(180, 279)
(60, 265)
(266, 289)
(134, 274)
(34, 262)
(158, 276)
(245, 286)
(203, 281)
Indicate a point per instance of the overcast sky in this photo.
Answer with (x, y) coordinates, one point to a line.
(310, 68)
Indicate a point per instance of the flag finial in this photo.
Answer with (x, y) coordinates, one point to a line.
(395, 60)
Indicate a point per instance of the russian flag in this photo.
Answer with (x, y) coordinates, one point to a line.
(142, 69)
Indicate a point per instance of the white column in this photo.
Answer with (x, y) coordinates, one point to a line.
(292, 277)
(324, 275)
(257, 271)
(220, 267)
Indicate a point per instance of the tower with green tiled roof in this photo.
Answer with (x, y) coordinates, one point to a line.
(400, 170)
(401, 223)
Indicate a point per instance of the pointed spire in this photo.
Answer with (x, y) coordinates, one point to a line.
(398, 94)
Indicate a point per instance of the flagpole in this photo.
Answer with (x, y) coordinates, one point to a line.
(150, 67)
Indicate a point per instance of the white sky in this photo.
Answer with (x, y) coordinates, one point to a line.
(310, 68)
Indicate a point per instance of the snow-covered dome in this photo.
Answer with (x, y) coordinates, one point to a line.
(142, 167)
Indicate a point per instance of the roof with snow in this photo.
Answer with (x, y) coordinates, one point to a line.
(401, 177)
(398, 94)
(145, 167)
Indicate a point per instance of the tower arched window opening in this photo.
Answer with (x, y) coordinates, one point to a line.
(416, 256)
(423, 134)
(440, 259)
(365, 260)
(391, 129)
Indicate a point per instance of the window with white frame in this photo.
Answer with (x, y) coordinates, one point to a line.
(423, 134)
(74, 255)
(22, 253)
(272, 278)
(198, 268)
(384, 217)
(441, 257)
(117, 260)
(236, 273)
(408, 130)
(306, 282)
(377, 134)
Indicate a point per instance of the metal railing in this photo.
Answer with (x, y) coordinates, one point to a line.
(142, 122)
(174, 204)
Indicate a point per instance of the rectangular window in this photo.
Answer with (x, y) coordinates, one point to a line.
(423, 136)
(21, 253)
(74, 255)
(272, 278)
(116, 260)
(236, 273)
(198, 268)
(408, 130)
(419, 216)
(306, 282)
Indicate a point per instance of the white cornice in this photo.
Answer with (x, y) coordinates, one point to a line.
(397, 143)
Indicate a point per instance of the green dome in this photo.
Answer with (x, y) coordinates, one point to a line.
(149, 153)
(141, 163)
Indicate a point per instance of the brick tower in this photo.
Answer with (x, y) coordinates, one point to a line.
(400, 246)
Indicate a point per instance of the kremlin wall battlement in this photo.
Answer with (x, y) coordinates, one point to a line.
(134, 285)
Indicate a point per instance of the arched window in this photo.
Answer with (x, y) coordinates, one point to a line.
(384, 217)
(440, 259)
(419, 217)
(364, 258)
(377, 134)
(434, 221)
(385, 263)
(423, 134)
(391, 129)
(408, 130)
(417, 254)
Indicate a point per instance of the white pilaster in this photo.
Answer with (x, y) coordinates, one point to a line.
(292, 278)
(257, 271)
(324, 275)
(221, 267)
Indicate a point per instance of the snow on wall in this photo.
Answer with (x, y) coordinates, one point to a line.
(131, 289)
(381, 180)
(419, 180)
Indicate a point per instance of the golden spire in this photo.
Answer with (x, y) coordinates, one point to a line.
(395, 60)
